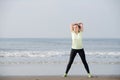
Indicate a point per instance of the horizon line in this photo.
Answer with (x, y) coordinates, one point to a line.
(48, 38)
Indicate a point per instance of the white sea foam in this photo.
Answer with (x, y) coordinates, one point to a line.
(50, 53)
(104, 53)
(31, 54)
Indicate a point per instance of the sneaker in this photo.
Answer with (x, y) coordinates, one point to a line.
(65, 75)
(89, 75)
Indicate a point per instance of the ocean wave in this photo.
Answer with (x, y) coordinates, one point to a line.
(104, 53)
(56, 62)
(51, 53)
(31, 54)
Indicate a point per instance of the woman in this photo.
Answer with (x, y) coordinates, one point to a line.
(76, 31)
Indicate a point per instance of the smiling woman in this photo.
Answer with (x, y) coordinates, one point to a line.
(76, 31)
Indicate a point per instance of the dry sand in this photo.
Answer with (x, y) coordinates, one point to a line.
(59, 78)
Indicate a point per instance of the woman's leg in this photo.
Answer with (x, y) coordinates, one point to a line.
(82, 55)
(72, 56)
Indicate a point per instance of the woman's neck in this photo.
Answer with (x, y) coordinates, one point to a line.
(76, 32)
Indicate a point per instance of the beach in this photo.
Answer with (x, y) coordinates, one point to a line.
(38, 39)
(60, 78)
(56, 71)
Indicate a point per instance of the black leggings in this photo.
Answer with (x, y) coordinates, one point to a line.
(72, 56)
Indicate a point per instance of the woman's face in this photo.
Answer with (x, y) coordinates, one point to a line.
(76, 29)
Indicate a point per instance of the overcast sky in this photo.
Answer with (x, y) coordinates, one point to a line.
(51, 18)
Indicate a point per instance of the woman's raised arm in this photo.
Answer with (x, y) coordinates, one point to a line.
(71, 27)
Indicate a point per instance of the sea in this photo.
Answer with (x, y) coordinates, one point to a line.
(57, 51)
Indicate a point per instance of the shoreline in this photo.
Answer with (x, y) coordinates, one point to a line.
(59, 78)
(58, 69)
